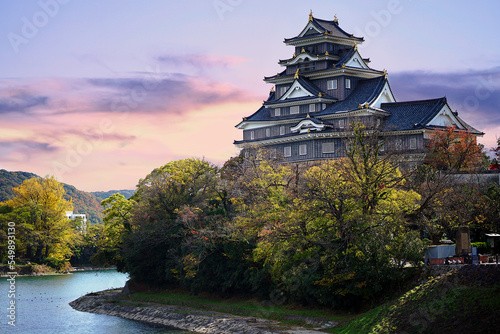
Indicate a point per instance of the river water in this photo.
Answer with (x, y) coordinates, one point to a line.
(41, 305)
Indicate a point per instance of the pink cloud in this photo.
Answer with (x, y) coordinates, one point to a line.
(76, 136)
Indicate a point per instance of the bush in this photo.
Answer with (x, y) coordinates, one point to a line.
(59, 265)
(482, 247)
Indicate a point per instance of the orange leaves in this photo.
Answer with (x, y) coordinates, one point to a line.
(453, 149)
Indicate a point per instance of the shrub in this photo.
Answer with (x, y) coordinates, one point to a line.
(482, 247)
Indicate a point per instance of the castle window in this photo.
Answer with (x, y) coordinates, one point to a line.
(294, 110)
(303, 149)
(277, 112)
(413, 143)
(341, 124)
(252, 135)
(287, 151)
(399, 144)
(268, 132)
(328, 147)
(348, 83)
(273, 154)
(283, 90)
(282, 130)
(331, 84)
(312, 108)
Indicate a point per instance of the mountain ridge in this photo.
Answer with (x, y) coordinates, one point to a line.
(84, 202)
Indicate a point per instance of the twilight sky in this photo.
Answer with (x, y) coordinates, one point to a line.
(99, 93)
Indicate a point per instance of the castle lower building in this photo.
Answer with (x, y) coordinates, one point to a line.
(327, 86)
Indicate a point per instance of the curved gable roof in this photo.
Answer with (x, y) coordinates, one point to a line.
(411, 114)
(332, 28)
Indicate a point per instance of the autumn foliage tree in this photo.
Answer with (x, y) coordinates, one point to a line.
(43, 232)
(454, 150)
(447, 202)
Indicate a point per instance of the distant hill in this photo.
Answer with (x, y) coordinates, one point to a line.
(105, 194)
(9, 180)
(83, 202)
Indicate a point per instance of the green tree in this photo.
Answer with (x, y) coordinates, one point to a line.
(173, 203)
(337, 231)
(117, 223)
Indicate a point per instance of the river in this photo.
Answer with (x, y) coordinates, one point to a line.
(41, 305)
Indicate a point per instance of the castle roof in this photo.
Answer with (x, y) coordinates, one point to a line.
(317, 27)
(366, 92)
(420, 114)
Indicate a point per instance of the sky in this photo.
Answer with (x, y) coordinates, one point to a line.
(99, 93)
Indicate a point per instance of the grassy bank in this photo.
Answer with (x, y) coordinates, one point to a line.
(464, 301)
(286, 314)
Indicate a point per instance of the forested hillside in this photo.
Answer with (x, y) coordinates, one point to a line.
(83, 202)
(102, 195)
(9, 180)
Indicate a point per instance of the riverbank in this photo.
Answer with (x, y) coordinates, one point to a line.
(113, 302)
(43, 270)
(459, 299)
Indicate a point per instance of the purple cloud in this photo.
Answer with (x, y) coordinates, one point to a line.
(474, 94)
(176, 94)
(201, 61)
(21, 102)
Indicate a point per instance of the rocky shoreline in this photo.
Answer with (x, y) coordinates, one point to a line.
(112, 302)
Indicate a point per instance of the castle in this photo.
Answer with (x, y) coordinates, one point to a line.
(325, 88)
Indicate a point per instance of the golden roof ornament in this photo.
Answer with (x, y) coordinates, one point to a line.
(308, 130)
(272, 89)
(385, 72)
(296, 76)
(355, 46)
(326, 53)
(308, 115)
(326, 32)
(336, 20)
(303, 50)
(311, 16)
(320, 95)
(360, 106)
(367, 105)
(294, 55)
(334, 66)
(343, 65)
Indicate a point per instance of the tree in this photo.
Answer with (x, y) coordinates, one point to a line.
(337, 231)
(117, 224)
(454, 150)
(447, 202)
(173, 202)
(38, 209)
